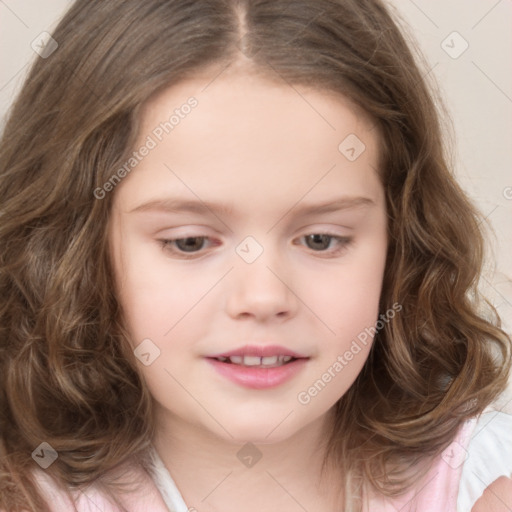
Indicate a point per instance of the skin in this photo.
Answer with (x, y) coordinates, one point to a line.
(260, 147)
(497, 497)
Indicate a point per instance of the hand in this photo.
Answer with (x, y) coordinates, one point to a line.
(496, 498)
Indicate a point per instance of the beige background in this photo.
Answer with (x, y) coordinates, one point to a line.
(476, 85)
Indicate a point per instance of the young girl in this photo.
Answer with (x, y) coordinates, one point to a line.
(237, 273)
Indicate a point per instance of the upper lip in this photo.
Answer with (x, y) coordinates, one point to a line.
(260, 351)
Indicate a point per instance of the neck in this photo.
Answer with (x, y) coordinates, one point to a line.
(214, 474)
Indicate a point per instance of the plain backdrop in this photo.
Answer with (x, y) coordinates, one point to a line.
(468, 50)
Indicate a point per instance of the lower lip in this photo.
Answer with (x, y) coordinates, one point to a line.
(258, 378)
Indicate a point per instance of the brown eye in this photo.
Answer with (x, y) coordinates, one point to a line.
(318, 241)
(190, 244)
(190, 247)
(325, 244)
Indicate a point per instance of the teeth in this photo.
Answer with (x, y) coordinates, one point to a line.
(271, 361)
(252, 360)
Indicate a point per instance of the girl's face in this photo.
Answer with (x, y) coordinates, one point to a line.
(251, 223)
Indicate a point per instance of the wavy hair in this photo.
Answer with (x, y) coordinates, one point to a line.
(67, 376)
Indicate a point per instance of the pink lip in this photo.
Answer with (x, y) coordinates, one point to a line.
(261, 351)
(258, 378)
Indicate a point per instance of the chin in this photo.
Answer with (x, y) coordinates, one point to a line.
(258, 429)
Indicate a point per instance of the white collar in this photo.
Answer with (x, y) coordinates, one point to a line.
(165, 484)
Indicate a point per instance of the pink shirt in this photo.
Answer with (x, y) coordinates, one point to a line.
(451, 485)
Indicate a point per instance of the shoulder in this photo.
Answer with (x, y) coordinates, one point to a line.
(143, 498)
(486, 482)
(472, 472)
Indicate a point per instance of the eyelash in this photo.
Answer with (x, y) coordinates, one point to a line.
(343, 241)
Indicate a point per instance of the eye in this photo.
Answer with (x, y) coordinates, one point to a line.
(185, 247)
(322, 242)
(192, 246)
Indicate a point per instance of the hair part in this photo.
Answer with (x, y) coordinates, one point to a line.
(67, 374)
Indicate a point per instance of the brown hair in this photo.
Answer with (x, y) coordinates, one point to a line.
(67, 375)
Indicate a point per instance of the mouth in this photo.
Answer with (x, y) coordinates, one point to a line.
(256, 361)
(259, 366)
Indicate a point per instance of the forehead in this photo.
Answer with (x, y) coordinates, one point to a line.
(255, 98)
(254, 136)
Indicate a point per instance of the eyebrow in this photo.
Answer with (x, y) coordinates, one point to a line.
(175, 205)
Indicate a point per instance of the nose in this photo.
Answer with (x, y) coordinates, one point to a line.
(262, 290)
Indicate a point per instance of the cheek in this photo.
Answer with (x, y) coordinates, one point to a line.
(349, 302)
(352, 313)
(155, 295)
(164, 316)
